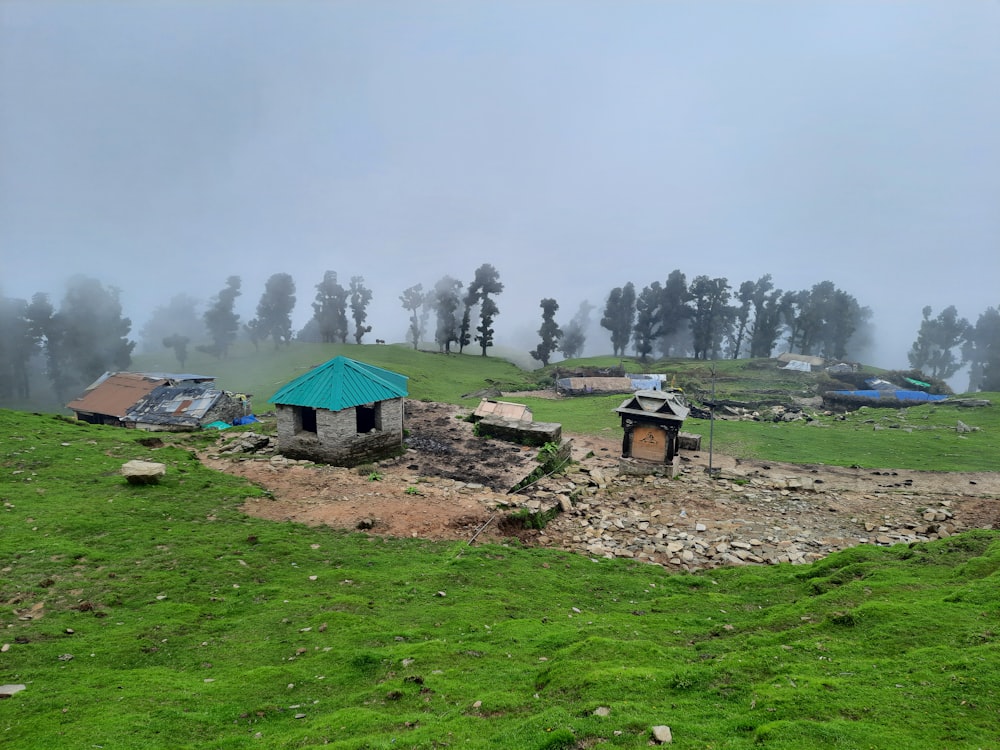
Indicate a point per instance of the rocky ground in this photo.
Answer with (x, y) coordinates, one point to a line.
(452, 485)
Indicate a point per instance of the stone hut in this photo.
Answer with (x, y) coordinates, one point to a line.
(652, 422)
(342, 412)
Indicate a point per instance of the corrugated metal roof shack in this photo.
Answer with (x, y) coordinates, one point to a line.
(112, 397)
(342, 412)
(108, 399)
(185, 407)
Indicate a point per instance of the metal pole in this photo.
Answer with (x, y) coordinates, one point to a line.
(711, 427)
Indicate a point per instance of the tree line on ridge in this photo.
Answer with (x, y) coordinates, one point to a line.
(88, 334)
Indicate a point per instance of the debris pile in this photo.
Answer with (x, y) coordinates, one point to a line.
(767, 520)
(246, 442)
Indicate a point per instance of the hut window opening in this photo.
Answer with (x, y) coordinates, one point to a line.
(305, 419)
(368, 418)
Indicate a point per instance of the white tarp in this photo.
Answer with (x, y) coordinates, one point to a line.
(797, 365)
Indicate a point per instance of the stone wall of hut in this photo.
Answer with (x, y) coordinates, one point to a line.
(337, 440)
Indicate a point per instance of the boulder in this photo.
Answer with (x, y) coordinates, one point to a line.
(522, 433)
(143, 472)
(662, 735)
(6, 691)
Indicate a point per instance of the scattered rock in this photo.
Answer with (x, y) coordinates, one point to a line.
(247, 442)
(662, 735)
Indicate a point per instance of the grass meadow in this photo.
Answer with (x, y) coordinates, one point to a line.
(161, 617)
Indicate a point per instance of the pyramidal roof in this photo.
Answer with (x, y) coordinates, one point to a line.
(341, 383)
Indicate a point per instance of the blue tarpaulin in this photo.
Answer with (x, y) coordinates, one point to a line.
(248, 419)
(899, 395)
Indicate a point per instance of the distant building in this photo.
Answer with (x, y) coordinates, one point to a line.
(157, 401)
(579, 386)
(809, 359)
(176, 408)
(342, 412)
(108, 399)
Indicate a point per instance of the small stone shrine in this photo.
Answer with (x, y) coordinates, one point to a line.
(652, 422)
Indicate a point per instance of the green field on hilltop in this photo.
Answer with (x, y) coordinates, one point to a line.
(161, 617)
(261, 372)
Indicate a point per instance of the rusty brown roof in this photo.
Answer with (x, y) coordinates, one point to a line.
(115, 394)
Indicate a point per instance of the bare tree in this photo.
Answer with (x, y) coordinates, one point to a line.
(413, 299)
(360, 297)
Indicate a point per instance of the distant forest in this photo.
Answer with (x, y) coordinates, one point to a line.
(707, 318)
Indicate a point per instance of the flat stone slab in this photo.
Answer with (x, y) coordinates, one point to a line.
(143, 472)
(522, 433)
(8, 690)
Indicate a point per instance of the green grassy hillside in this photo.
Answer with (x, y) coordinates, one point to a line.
(161, 617)
(433, 376)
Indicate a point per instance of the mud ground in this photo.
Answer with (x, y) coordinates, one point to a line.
(450, 483)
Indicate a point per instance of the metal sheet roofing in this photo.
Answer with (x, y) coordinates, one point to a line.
(174, 378)
(175, 405)
(114, 394)
(341, 383)
(178, 378)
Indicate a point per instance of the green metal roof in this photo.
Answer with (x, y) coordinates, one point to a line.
(340, 384)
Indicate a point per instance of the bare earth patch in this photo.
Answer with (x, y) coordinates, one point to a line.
(450, 483)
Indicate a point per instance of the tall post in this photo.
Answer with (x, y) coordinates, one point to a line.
(711, 426)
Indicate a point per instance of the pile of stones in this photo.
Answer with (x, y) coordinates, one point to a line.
(247, 443)
(676, 522)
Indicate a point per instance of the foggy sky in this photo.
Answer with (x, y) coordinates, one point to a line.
(162, 146)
